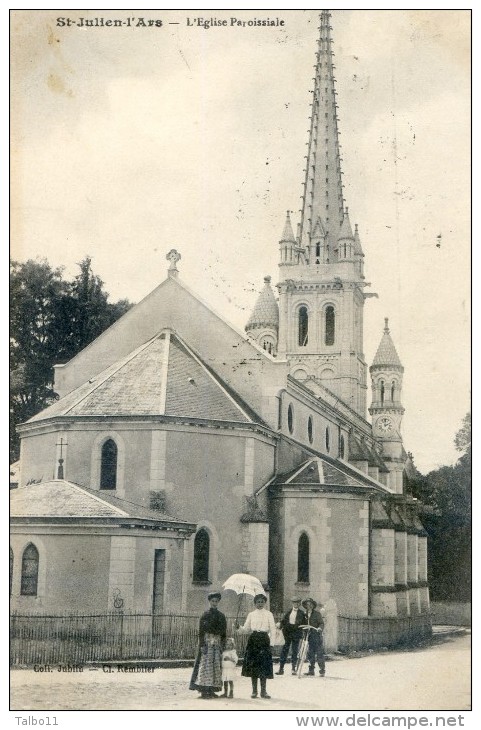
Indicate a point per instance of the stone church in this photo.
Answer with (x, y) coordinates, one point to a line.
(181, 450)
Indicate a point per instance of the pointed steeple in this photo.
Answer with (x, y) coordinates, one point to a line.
(288, 233)
(346, 231)
(323, 195)
(386, 355)
(357, 242)
(345, 240)
(266, 311)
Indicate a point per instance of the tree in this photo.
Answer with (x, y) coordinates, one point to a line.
(51, 321)
(447, 492)
(462, 440)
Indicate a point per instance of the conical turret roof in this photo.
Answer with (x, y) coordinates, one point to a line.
(266, 309)
(386, 355)
(357, 242)
(346, 230)
(288, 233)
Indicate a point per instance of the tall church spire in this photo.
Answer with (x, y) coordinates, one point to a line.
(323, 195)
(321, 296)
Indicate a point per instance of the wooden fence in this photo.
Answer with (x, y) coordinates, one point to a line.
(78, 639)
(355, 634)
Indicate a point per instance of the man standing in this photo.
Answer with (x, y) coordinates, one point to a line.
(289, 625)
(316, 639)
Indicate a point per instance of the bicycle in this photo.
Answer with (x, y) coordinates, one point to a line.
(304, 647)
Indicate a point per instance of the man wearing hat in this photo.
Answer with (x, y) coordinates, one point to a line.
(289, 624)
(316, 641)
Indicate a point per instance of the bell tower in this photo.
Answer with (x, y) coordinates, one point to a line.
(386, 407)
(321, 279)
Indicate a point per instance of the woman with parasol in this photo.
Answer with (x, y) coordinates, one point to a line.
(258, 655)
(207, 674)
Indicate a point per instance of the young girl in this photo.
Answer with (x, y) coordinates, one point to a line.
(229, 663)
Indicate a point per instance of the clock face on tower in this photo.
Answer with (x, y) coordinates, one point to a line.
(384, 424)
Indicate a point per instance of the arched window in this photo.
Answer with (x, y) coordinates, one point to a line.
(200, 572)
(310, 430)
(29, 581)
(290, 418)
(382, 392)
(303, 326)
(341, 446)
(318, 250)
(330, 323)
(11, 570)
(303, 559)
(328, 439)
(268, 344)
(393, 390)
(108, 466)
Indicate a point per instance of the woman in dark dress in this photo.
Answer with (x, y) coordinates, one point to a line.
(207, 674)
(257, 662)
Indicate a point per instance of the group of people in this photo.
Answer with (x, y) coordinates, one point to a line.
(290, 626)
(217, 658)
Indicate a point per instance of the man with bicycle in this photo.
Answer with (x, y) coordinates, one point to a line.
(289, 625)
(316, 641)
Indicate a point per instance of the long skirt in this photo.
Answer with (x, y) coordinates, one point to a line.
(258, 656)
(207, 674)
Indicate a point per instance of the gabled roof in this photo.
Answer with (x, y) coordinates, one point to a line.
(59, 499)
(164, 376)
(319, 471)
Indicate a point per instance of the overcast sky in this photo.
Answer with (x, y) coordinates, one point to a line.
(130, 141)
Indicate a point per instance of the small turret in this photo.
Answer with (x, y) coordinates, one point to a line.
(386, 407)
(358, 252)
(263, 324)
(287, 244)
(345, 240)
(386, 355)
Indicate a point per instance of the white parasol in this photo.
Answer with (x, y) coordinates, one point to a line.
(243, 583)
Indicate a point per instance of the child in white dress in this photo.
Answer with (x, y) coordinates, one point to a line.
(229, 663)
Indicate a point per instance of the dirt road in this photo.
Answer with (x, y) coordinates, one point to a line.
(436, 677)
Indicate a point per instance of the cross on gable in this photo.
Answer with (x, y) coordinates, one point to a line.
(173, 256)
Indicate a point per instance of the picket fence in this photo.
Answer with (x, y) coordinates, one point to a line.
(78, 639)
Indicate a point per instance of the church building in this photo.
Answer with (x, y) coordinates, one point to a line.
(181, 450)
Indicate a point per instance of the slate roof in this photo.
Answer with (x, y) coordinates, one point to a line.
(62, 499)
(386, 355)
(162, 377)
(266, 309)
(360, 451)
(318, 470)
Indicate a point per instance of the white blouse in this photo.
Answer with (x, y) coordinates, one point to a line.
(260, 620)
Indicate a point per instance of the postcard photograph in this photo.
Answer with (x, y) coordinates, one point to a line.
(240, 416)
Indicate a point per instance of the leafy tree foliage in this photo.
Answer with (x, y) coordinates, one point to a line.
(52, 319)
(447, 494)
